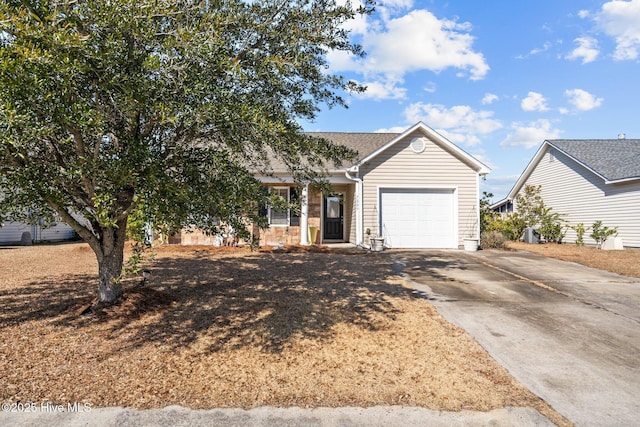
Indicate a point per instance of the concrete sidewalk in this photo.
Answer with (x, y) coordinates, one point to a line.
(176, 416)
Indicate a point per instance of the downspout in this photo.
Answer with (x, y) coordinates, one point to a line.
(358, 203)
(304, 215)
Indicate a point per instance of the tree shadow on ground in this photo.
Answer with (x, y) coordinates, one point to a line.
(266, 300)
(45, 299)
(262, 300)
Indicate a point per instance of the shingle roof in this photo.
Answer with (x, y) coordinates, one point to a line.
(363, 143)
(613, 159)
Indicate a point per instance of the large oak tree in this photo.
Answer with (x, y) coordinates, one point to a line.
(169, 108)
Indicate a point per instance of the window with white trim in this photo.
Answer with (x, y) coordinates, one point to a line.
(284, 217)
(279, 216)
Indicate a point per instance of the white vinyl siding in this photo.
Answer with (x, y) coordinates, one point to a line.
(435, 167)
(582, 196)
(11, 233)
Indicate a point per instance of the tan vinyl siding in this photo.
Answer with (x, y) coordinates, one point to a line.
(582, 196)
(399, 166)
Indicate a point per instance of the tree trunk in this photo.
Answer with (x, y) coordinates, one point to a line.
(109, 272)
(110, 260)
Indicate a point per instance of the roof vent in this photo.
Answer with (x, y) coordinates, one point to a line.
(418, 144)
(622, 136)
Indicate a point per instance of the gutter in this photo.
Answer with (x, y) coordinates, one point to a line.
(358, 203)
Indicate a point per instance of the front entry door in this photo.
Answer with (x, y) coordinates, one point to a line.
(333, 217)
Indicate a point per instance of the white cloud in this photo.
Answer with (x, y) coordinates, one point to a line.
(460, 123)
(583, 14)
(619, 19)
(386, 8)
(415, 41)
(396, 4)
(582, 100)
(538, 50)
(430, 87)
(534, 102)
(587, 50)
(382, 89)
(530, 135)
(419, 40)
(489, 98)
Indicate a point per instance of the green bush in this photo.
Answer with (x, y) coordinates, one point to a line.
(531, 212)
(580, 230)
(599, 233)
(552, 226)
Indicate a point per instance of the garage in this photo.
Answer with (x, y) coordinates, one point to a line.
(418, 218)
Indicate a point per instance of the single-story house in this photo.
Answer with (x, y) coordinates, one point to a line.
(416, 189)
(588, 180)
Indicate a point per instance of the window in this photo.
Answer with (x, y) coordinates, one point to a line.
(279, 216)
(284, 217)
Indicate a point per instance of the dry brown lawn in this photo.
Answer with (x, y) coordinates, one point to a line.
(234, 328)
(626, 262)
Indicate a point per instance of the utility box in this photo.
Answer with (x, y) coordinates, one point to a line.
(531, 235)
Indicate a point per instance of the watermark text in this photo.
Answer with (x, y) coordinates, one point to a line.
(46, 407)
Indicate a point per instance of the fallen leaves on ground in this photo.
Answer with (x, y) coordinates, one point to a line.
(228, 327)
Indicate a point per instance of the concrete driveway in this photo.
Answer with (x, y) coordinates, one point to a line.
(571, 334)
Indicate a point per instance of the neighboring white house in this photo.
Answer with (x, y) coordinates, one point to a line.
(11, 232)
(415, 189)
(586, 181)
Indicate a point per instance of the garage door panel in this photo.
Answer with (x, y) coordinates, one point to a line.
(418, 218)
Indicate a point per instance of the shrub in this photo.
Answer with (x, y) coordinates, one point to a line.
(552, 226)
(492, 240)
(599, 233)
(580, 229)
(531, 212)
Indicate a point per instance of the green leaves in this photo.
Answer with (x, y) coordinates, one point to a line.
(178, 105)
(600, 233)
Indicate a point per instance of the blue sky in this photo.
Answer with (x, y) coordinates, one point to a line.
(495, 77)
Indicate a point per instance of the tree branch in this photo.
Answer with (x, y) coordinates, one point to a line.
(84, 232)
(78, 139)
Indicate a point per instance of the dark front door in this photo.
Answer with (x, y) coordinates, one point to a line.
(333, 217)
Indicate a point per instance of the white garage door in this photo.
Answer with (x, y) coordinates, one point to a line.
(418, 218)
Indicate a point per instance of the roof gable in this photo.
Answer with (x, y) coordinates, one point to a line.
(434, 136)
(370, 144)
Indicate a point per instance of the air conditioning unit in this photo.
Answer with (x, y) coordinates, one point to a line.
(531, 235)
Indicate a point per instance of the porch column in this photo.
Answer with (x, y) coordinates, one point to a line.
(304, 215)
